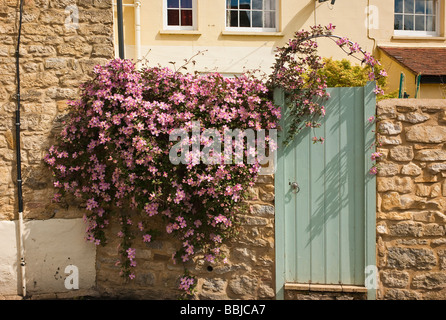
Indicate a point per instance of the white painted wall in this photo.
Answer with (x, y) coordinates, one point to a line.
(50, 246)
(8, 258)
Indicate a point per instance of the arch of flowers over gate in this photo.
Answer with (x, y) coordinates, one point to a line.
(113, 151)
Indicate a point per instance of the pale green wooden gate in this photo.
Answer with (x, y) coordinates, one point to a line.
(325, 229)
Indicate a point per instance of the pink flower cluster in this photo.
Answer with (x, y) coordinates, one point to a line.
(187, 284)
(375, 157)
(113, 152)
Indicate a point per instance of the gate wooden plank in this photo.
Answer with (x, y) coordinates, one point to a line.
(347, 140)
(317, 208)
(279, 187)
(303, 209)
(370, 183)
(331, 192)
(359, 261)
(290, 211)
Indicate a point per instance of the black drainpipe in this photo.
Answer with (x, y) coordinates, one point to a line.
(18, 155)
(17, 115)
(120, 29)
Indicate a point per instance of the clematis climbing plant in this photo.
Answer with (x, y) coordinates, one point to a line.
(113, 153)
(297, 71)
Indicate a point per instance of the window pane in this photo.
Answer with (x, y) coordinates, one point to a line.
(186, 17)
(173, 4)
(408, 22)
(270, 20)
(430, 8)
(398, 24)
(245, 18)
(232, 4)
(245, 4)
(270, 5)
(173, 17)
(419, 23)
(186, 4)
(257, 19)
(257, 4)
(430, 23)
(398, 6)
(233, 18)
(408, 6)
(419, 6)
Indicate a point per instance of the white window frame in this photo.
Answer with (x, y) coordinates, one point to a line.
(251, 29)
(194, 18)
(414, 33)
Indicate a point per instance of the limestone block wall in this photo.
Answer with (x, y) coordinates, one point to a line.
(411, 193)
(248, 274)
(61, 42)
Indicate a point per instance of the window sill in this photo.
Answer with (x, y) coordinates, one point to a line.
(256, 34)
(424, 38)
(181, 32)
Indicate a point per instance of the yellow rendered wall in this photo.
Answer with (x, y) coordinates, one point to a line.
(394, 70)
(433, 91)
(368, 22)
(257, 49)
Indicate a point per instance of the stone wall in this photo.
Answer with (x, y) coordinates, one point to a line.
(411, 186)
(55, 58)
(248, 274)
(61, 42)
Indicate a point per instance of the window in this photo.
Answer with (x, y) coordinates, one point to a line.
(416, 17)
(180, 14)
(251, 15)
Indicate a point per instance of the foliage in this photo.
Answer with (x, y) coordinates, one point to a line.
(390, 95)
(342, 73)
(113, 152)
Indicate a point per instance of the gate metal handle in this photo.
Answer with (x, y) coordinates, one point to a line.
(295, 187)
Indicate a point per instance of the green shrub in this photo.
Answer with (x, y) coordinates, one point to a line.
(342, 73)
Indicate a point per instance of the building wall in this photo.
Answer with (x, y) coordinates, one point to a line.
(368, 22)
(57, 53)
(228, 51)
(395, 69)
(411, 199)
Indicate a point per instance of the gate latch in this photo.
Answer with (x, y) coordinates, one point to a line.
(295, 187)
